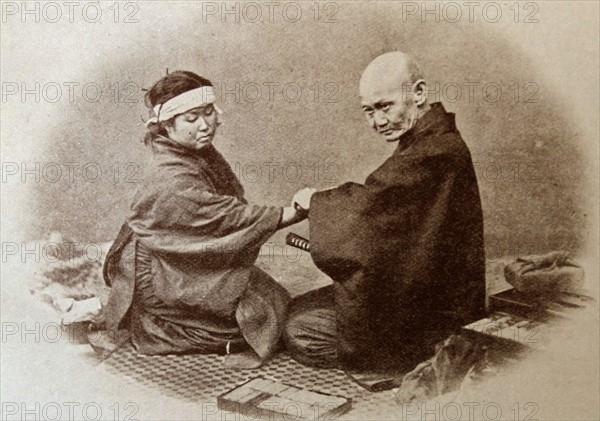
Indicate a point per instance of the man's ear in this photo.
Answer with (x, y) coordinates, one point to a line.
(420, 92)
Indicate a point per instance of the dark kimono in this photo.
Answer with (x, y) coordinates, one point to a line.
(405, 251)
(182, 268)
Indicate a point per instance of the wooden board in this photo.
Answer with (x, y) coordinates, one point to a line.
(260, 396)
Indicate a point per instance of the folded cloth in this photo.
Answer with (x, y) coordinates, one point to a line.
(552, 272)
(442, 373)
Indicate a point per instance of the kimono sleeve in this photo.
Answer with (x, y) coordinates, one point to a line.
(192, 219)
(356, 225)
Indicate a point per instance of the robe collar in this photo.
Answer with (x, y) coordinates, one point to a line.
(433, 123)
(162, 144)
(207, 160)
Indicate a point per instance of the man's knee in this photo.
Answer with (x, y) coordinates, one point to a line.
(310, 338)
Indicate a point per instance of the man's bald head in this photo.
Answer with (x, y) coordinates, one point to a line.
(393, 94)
(393, 70)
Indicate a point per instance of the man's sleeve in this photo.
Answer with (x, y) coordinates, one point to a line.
(356, 224)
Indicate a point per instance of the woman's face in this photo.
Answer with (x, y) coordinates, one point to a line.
(195, 128)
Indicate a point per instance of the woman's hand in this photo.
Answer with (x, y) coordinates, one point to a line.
(292, 215)
(302, 198)
(298, 211)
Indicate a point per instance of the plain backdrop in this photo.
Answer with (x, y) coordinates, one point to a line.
(535, 148)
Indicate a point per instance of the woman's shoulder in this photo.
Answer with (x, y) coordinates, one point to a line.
(165, 176)
(170, 178)
(169, 193)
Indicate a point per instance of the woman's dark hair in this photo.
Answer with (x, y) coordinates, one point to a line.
(170, 86)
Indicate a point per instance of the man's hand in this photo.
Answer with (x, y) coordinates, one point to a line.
(302, 198)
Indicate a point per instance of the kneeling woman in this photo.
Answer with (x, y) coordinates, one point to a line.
(182, 267)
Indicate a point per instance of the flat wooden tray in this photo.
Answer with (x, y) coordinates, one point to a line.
(261, 396)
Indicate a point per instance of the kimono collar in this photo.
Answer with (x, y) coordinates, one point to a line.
(435, 122)
(161, 144)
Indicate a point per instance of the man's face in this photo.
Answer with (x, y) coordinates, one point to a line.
(195, 128)
(389, 110)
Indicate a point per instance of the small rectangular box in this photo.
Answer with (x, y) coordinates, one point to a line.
(507, 331)
(261, 396)
(541, 307)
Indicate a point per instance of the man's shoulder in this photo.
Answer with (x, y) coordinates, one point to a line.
(451, 143)
(441, 137)
(438, 154)
(448, 145)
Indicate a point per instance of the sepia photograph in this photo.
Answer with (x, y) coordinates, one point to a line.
(300, 210)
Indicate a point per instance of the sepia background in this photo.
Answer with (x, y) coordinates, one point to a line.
(291, 110)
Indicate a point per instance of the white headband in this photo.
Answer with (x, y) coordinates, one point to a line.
(181, 103)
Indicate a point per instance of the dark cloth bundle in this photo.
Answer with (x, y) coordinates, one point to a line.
(552, 272)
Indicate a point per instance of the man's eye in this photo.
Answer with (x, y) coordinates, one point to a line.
(209, 110)
(191, 118)
(385, 107)
(368, 111)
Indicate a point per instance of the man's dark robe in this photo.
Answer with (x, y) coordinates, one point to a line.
(183, 264)
(405, 249)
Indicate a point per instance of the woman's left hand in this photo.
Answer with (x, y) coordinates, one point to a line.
(292, 215)
(302, 198)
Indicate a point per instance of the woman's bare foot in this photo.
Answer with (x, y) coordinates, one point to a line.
(83, 311)
(242, 360)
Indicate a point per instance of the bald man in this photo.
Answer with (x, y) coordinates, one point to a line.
(404, 249)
